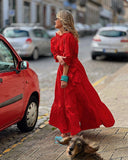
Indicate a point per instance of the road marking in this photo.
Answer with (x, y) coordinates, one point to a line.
(46, 88)
(7, 150)
(42, 125)
(41, 117)
(99, 81)
(94, 84)
(23, 139)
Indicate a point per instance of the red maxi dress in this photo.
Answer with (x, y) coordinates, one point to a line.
(78, 106)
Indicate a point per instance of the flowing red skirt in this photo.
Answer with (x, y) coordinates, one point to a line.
(78, 106)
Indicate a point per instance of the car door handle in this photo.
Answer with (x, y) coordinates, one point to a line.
(1, 80)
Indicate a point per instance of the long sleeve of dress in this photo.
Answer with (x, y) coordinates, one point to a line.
(68, 49)
(54, 48)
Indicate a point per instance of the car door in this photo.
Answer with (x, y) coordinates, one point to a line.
(11, 87)
(41, 41)
(47, 41)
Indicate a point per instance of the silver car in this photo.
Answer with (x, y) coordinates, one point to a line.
(28, 41)
(110, 41)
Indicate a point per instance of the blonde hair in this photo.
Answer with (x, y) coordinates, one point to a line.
(67, 21)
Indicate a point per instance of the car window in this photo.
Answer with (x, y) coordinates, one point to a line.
(7, 61)
(37, 33)
(45, 34)
(15, 33)
(40, 33)
(112, 33)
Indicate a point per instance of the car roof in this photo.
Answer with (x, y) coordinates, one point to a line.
(27, 28)
(121, 28)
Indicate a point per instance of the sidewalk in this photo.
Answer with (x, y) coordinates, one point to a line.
(113, 141)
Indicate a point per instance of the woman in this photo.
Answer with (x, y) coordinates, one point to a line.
(76, 106)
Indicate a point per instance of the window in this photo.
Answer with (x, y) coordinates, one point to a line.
(37, 33)
(45, 34)
(112, 33)
(38, 13)
(40, 33)
(26, 12)
(7, 61)
(15, 33)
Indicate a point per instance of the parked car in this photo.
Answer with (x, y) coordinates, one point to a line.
(1, 30)
(87, 29)
(95, 27)
(31, 41)
(80, 29)
(19, 90)
(110, 41)
(52, 31)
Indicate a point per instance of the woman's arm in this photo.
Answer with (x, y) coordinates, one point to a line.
(60, 59)
(65, 73)
(65, 69)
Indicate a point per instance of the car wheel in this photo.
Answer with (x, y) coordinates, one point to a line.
(93, 56)
(30, 117)
(35, 54)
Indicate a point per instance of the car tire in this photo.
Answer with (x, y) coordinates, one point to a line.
(29, 120)
(93, 56)
(35, 54)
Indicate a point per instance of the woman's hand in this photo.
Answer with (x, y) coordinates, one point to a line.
(60, 59)
(64, 84)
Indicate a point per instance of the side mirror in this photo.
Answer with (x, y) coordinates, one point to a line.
(24, 65)
(21, 66)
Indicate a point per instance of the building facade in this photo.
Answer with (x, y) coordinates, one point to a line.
(20, 11)
(1, 14)
(88, 11)
(81, 11)
(118, 11)
(42, 12)
(126, 11)
(106, 12)
(93, 11)
(71, 5)
(50, 8)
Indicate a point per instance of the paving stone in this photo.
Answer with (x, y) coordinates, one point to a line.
(120, 152)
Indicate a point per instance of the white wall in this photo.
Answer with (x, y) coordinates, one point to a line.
(33, 12)
(19, 11)
(48, 15)
(5, 11)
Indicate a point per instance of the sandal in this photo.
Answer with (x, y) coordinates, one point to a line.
(58, 138)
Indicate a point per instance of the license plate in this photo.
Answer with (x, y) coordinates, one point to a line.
(110, 50)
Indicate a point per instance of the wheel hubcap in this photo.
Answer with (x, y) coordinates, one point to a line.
(32, 114)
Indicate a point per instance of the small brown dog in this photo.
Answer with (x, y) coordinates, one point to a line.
(81, 149)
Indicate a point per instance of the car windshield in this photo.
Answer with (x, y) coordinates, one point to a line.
(15, 33)
(112, 33)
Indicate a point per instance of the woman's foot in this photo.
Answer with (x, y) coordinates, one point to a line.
(58, 139)
(65, 135)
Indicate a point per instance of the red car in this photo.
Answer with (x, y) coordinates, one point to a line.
(19, 90)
